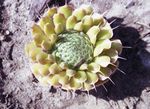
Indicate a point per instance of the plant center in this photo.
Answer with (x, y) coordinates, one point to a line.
(73, 48)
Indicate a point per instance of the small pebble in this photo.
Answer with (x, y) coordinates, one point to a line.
(2, 38)
(7, 32)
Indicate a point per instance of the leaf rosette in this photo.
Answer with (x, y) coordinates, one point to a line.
(73, 48)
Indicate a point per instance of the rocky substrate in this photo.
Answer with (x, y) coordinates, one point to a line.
(20, 90)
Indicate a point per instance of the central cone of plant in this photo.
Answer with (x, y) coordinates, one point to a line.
(73, 48)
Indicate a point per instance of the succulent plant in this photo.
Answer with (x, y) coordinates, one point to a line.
(73, 49)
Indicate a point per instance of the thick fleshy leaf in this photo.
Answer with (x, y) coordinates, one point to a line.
(81, 76)
(70, 23)
(92, 33)
(35, 69)
(42, 80)
(78, 26)
(116, 44)
(46, 45)
(66, 87)
(74, 85)
(53, 80)
(92, 78)
(38, 39)
(51, 58)
(66, 10)
(63, 65)
(42, 57)
(103, 61)
(93, 67)
(54, 68)
(101, 45)
(39, 69)
(49, 29)
(88, 9)
(79, 13)
(44, 20)
(63, 78)
(105, 73)
(59, 19)
(87, 86)
(51, 12)
(87, 22)
(70, 72)
(53, 38)
(114, 67)
(112, 53)
(97, 19)
(36, 29)
(83, 67)
(36, 54)
(106, 32)
(59, 28)
(43, 69)
(33, 53)
(28, 47)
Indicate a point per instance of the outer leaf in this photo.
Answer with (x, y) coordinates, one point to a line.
(103, 61)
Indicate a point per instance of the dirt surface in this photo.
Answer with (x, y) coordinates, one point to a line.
(20, 90)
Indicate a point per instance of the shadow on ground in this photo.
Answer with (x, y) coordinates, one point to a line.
(137, 69)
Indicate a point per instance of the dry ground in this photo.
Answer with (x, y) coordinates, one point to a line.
(18, 88)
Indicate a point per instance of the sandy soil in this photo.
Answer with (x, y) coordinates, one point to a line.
(20, 90)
